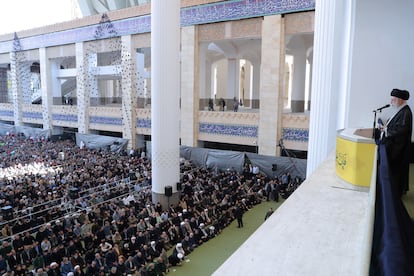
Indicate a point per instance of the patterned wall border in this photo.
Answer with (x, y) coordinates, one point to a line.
(202, 14)
(65, 117)
(143, 123)
(239, 9)
(105, 120)
(32, 115)
(295, 134)
(289, 134)
(6, 113)
(228, 130)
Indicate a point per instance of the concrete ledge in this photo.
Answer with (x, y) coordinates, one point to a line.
(324, 228)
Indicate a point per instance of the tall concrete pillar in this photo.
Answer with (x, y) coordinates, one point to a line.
(82, 87)
(233, 79)
(255, 101)
(203, 81)
(310, 59)
(297, 103)
(142, 75)
(165, 109)
(129, 96)
(16, 87)
(208, 79)
(47, 95)
(91, 59)
(189, 89)
(270, 106)
(56, 89)
(26, 79)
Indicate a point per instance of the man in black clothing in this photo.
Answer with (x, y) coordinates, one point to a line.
(92, 269)
(238, 214)
(395, 135)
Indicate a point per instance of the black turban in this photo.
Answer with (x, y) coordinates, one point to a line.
(402, 94)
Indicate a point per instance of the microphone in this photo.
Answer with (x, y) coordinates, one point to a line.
(382, 107)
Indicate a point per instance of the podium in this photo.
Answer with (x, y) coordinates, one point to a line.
(355, 153)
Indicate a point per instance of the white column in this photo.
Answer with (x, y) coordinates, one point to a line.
(189, 93)
(255, 93)
(25, 79)
(331, 51)
(208, 79)
(270, 85)
(47, 96)
(91, 59)
(82, 88)
(129, 96)
(298, 81)
(233, 78)
(203, 82)
(310, 59)
(16, 88)
(165, 111)
(55, 89)
(141, 76)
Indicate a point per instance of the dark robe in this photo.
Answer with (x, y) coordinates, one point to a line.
(397, 141)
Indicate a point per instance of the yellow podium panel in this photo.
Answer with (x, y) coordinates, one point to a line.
(354, 161)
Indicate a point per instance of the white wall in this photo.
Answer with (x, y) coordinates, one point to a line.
(382, 59)
(363, 49)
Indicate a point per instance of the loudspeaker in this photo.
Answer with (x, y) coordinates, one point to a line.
(7, 212)
(168, 191)
(179, 187)
(132, 176)
(74, 193)
(274, 167)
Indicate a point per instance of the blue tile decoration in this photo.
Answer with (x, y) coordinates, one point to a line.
(202, 14)
(295, 134)
(65, 117)
(105, 120)
(239, 9)
(6, 113)
(32, 115)
(143, 123)
(228, 130)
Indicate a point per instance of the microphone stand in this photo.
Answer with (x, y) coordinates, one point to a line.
(375, 120)
(373, 127)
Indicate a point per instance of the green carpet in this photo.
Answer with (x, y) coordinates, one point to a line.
(205, 259)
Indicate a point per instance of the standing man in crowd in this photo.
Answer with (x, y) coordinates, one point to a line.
(238, 214)
(235, 104)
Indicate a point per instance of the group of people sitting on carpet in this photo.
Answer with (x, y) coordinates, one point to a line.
(110, 225)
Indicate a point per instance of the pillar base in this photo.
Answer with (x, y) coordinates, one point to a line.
(165, 200)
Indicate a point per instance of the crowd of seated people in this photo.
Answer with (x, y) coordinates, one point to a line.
(110, 226)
